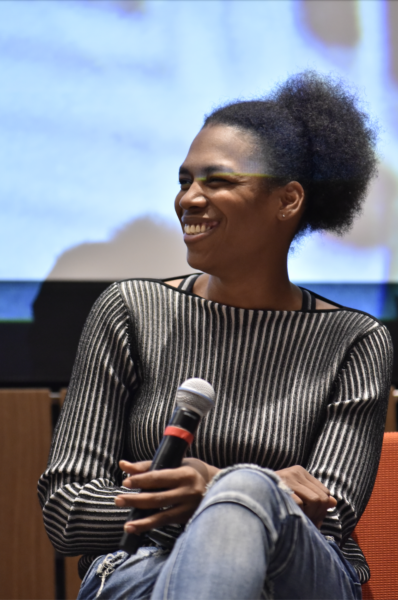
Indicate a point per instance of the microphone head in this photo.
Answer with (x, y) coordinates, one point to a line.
(197, 395)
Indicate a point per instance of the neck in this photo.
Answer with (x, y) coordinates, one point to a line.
(263, 287)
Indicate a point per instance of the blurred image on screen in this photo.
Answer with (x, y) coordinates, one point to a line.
(100, 100)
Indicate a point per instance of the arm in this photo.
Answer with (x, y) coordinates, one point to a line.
(83, 477)
(342, 465)
(346, 454)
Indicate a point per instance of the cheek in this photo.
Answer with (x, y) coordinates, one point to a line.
(242, 216)
(177, 206)
(249, 227)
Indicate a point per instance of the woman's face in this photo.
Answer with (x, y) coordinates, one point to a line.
(227, 216)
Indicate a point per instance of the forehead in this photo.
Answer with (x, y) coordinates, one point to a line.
(222, 145)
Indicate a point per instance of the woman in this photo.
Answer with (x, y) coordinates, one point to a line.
(282, 468)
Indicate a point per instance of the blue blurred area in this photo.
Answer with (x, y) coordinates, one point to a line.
(16, 300)
(377, 299)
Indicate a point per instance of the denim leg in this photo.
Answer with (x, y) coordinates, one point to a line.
(249, 540)
(120, 576)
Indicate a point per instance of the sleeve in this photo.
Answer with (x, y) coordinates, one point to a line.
(347, 451)
(82, 478)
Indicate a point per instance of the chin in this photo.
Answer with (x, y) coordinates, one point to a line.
(195, 262)
(201, 263)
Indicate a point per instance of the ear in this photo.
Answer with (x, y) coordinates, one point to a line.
(291, 201)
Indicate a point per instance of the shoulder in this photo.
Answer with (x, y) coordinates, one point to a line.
(108, 301)
(360, 322)
(108, 310)
(351, 325)
(134, 286)
(364, 335)
(107, 326)
(349, 318)
(143, 297)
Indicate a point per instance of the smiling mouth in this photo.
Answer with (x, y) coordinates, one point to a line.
(199, 228)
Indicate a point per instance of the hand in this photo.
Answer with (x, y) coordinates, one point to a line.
(310, 494)
(180, 490)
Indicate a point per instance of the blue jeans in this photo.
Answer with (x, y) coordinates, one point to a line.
(247, 540)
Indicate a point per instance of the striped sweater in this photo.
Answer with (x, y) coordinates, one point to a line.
(305, 387)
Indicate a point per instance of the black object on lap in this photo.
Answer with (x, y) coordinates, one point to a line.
(195, 397)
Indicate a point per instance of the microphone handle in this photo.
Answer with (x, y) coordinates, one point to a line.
(169, 455)
(131, 542)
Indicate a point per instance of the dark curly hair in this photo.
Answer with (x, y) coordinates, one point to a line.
(311, 130)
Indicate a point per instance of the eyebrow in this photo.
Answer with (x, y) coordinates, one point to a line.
(221, 169)
(209, 170)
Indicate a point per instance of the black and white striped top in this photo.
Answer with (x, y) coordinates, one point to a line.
(305, 387)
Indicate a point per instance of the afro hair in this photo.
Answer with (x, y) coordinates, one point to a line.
(311, 130)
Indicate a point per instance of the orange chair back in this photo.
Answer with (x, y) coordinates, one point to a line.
(377, 530)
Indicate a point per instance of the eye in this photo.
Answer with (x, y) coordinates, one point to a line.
(185, 183)
(217, 180)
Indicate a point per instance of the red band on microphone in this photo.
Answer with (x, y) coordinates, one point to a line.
(178, 432)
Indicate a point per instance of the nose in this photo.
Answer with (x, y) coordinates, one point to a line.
(193, 197)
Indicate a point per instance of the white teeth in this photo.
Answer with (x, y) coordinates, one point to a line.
(195, 229)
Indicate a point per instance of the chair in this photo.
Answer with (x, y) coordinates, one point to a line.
(377, 530)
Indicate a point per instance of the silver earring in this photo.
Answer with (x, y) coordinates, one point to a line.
(283, 215)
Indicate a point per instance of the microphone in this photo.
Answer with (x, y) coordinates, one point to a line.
(194, 399)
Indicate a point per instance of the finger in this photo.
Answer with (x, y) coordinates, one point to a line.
(176, 514)
(297, 500)
(138, 467)
(300, 503)
(298, 474)
(310, 492)
(174, 496)
(310, 495)
(133, 469)
(166, 478)
(332, 502)
(315, 483)
(315, 503)
(150, 500)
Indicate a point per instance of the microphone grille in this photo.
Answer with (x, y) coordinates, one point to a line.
(196, 394)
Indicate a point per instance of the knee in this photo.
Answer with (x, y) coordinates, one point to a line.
(251, 488)
(246, 479)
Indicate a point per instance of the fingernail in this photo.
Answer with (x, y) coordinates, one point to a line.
(120, 501)
(129, 528)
